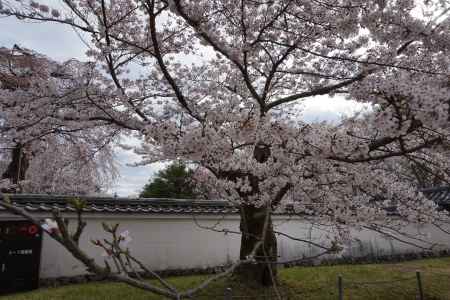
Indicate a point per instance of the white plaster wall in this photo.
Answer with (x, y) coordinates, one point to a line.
(177, 242)
(159, 242)
(361, 243)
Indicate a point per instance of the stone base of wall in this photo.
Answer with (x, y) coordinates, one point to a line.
(60, 281)
(369, 259)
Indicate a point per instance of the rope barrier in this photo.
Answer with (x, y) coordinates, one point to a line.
(437, 273)
(381, 282)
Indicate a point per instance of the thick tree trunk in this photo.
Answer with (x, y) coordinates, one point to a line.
(263, 272)
(18, 166)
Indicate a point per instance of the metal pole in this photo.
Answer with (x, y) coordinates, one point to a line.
(419, 284)
(340, 288)
(228, 294)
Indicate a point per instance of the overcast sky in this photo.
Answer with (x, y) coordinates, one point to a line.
(61, 43)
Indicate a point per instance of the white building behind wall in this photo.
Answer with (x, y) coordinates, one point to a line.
(173, 234)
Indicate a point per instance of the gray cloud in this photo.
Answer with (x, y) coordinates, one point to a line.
(322, 108)
(57, 42)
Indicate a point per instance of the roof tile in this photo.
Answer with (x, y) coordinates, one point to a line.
(46, 203)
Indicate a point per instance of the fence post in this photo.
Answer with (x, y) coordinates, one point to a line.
(419, 284)
(340, 288)
(228, 294)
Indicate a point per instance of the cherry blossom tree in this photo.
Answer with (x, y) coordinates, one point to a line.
(222, 87)
(47, 151)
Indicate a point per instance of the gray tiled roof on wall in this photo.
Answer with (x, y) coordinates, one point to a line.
(46, 203)
(111, 205)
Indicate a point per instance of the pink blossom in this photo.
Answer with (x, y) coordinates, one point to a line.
(50, 226)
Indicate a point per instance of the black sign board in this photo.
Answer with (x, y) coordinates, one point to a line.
(20, 255)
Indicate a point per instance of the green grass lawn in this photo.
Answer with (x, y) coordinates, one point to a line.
(297, 283)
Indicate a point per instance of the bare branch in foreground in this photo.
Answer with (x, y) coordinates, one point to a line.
(65, 239)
